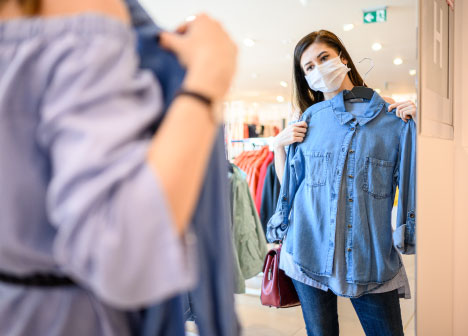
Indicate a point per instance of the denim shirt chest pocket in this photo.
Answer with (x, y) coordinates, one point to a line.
(378, 177)
(316, 168)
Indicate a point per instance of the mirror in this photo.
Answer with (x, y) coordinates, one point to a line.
(260, 105)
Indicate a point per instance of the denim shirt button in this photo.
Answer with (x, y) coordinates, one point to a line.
(349, 249)
(411, 215)
(352, 128)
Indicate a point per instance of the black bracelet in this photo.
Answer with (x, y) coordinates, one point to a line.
(204, 99)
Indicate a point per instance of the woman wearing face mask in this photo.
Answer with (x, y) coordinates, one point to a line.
(296, 131)
(337, 193)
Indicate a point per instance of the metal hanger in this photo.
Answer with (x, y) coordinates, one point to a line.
(361, 92)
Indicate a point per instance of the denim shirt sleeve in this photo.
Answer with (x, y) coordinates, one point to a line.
(404, 236)
(279, 222)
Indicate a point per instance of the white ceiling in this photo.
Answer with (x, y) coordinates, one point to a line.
(276, 26)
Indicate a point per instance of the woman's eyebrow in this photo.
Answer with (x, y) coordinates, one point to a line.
(318, 56)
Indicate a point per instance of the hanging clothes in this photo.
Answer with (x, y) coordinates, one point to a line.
(248, 235)
(261, 180)
(213, 298)
(270, 195)
(251, 163)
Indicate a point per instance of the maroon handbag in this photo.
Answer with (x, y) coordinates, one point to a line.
(277, 288)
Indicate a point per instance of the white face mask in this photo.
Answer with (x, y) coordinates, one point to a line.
(328, 76)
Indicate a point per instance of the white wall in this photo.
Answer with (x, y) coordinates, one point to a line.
(460, 232)
(442, 255)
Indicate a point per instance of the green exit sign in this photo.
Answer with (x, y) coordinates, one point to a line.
(376, 15)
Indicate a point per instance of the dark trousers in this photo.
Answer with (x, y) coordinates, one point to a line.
(379, 314)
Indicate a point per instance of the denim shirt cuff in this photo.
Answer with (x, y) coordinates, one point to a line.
(276, 228)
(404, 236)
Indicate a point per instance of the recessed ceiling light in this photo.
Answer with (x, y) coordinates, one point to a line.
(280, 99)
(190, 18)
(255, 104)
(254, 75)
(376, 46)
(304, 2)
(412, 72)
(248, 42)
(378, 91)
(348, 27)
(283, 84)
(397, 61)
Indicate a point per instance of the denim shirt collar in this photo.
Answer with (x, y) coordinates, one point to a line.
(373, 109)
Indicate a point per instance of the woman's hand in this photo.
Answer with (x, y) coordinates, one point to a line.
(291, 134)
(207, 52)
(404, 110)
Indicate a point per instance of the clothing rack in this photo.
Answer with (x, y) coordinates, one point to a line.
(255, 143)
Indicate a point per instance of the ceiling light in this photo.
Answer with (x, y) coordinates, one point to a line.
(254, 75)
(280, 99)
(255, 104)
(283, 84)
(348, 27)
(378, 91)
(249, 42)
(304, 2)
(397, 61)
(376, 46)
(412, 72)
(190, 18)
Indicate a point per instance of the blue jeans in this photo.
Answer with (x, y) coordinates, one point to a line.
(379, 314)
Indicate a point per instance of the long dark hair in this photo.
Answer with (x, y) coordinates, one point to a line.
(304, 97)
(29, 7)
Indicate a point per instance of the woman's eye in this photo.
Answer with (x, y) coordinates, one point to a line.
(310, 68)
(324, 58)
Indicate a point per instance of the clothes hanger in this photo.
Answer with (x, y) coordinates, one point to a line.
(361, 92)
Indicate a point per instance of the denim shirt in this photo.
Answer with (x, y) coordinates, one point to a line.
(378, 150)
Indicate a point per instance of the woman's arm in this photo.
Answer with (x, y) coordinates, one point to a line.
(182, 146)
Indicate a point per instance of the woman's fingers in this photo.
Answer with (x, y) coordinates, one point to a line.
(300, 129)
(407, 112)
(403, 103)
(301, 124)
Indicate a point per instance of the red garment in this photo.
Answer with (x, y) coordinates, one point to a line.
(261, 180)
(255, 172)
(246, 131)
(275, 131)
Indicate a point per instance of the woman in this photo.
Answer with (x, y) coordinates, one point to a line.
(87, 192)
(336, 198)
